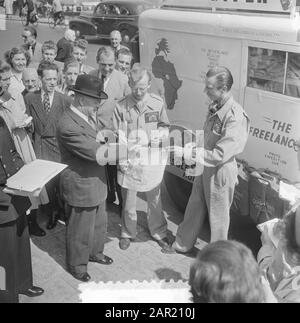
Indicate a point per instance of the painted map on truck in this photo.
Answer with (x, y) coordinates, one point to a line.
(165, 71)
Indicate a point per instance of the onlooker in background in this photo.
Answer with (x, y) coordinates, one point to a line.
(226, 272)
(8, 4)
(20, 6)
(146, 113)
(65, 46)
(124, 60)
(15, 253)
(46, 108)
(80, 54)
(71, 72)
(31, 44)
(31, 80)
(115, 84)
(18, 59)
(83, 183)
(29, 4)
(115, 41)
(57, 9)
(281, 261)
(17, 122)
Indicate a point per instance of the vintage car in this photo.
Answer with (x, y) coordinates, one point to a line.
(111, 15)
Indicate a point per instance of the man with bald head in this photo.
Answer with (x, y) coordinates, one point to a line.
(31, 80)
(115, 41)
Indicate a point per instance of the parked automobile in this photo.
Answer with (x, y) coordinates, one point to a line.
(111, 15)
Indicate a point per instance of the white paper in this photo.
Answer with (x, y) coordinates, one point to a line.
(33, 176)
(136, 292)
(289, 192)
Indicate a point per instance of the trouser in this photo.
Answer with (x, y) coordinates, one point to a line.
(55, 203)
(207, 199)
(112, 183)
(156, 220)
(15, 259)
(28, 17)
(86, 234)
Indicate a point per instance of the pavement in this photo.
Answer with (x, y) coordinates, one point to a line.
(42, 20)
(143, 261)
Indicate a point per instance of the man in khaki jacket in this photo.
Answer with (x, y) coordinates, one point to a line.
(225, 135)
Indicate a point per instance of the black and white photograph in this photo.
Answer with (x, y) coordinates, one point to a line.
(149, 154)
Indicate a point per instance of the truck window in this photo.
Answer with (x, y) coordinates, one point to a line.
(266, 69)
(292, 87)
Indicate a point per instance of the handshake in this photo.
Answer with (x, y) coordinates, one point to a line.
(190, 152)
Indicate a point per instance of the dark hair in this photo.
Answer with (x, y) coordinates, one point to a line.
(9, 55)
(32, 31)
(225, 272)
(4, 67)
(46, 66)
(223, 75)
(81, 43)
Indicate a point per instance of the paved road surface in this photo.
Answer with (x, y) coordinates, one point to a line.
(12, 38)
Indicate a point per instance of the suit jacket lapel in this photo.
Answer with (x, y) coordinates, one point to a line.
(82, 123)
(39, 108)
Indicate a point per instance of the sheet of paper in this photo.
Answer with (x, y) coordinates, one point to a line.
(289, 192)
(136, 292)
(33, 176)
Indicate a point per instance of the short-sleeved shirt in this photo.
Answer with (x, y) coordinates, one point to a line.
(146, 116)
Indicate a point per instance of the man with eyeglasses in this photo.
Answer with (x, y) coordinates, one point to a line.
(138, 118)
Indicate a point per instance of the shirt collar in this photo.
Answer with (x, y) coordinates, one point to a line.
(141, 105)
(220, 109)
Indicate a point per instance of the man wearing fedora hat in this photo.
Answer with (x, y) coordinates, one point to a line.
(83, 183)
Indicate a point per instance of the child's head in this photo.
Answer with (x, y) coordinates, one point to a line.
(226, 272)
(49, 51)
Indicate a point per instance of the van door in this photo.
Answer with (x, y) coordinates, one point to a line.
(272, 100)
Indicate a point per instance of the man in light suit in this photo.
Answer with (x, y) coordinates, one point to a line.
(31, 44)
(115, 84)
(83, 183)
(46, 108)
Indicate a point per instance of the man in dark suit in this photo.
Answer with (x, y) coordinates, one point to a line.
(31, 44)
(46, 108)
(83, 183)
(15, 254)
(115, 84)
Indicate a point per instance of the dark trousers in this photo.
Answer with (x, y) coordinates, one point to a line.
(55, 203)
(15, 259)
(86, 234)
(112, 184)
(28, 17)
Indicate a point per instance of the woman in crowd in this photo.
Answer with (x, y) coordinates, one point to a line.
(17, 121)
(226, 272)
(18, 59)
(281, 261)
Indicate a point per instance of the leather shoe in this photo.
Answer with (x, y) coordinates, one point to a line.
(105, 261)
(84, 277)
(165, 245)
(124, 243)
(36, 230)
(34, 291)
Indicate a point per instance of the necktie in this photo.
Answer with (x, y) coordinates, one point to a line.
(46, 103)
(103, 78)
(92, 122)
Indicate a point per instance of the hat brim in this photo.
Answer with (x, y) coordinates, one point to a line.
(102, 96)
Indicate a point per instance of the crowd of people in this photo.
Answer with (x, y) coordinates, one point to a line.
(53, 106)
